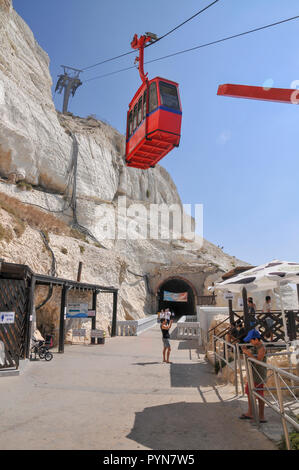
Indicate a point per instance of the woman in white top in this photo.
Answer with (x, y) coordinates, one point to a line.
(269, 321)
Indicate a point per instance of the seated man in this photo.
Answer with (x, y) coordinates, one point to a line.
(232, 335)
(236, 333)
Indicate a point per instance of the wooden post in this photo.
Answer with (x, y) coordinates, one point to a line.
(79, 272)
(245, 310)
(29, 319)
(292, 325)
(62, 319)
(93, 320)
(231, 313)
(114, 316)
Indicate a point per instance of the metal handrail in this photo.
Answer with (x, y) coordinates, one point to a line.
(225, 358)
(240, 356)
(280, 409)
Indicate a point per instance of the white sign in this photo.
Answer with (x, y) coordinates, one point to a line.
(91, 313)
(79, 332)
(77, 310)
(7, 317)
(240, 302)
(228, 295)
(97, 334)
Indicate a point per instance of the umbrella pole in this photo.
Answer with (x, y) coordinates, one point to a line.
(286, 337)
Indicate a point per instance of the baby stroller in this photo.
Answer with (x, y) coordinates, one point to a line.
(41, 348)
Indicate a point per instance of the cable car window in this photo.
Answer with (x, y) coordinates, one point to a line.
(135, 117)
(169, 95)
(130, 121)
(144, 104)
(153, 99)
(139, 111)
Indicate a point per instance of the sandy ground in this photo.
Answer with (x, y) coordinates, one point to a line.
(120, 396)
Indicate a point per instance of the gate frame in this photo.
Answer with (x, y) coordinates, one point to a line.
(14, 271)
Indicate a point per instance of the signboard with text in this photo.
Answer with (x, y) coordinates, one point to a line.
(7, 317)
(97, 334)
(228, 296)
(79, 332)
(77, 310)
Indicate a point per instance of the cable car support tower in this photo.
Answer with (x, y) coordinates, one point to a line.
(69, 81)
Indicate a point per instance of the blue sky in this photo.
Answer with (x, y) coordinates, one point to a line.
(239, 158)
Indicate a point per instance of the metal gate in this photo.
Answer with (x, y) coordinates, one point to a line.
(14, 295)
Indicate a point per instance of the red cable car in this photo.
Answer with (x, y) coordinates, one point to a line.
(154, 117)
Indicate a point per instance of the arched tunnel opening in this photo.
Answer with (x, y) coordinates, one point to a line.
(177, 286)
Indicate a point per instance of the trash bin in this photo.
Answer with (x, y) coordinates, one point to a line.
(101, 340)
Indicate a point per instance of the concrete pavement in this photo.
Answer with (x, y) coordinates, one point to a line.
(121, 396)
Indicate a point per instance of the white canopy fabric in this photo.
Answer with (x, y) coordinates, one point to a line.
(267, 276)
(264, 277)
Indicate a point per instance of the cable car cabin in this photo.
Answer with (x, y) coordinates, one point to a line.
(153, 123)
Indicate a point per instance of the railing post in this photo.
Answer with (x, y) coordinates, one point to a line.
(250, 390)
(281, 407)
(220, 361)
(226, 357)
(240, 368)
(214, 348)
(236, 369)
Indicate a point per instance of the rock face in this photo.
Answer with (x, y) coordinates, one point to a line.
(76, 168)
(34, 142)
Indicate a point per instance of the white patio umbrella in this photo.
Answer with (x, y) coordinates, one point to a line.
(267, 276)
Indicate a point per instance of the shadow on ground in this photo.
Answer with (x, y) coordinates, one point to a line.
(189, 344)
(193, 426)
(144, 363)
(191, 375)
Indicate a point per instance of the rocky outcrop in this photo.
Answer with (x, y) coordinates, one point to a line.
(34, 141)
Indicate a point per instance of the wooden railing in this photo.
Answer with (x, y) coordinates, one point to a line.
(277, 327)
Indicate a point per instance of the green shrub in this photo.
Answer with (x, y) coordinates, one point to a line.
(294, 441)
(64, 251)
(82, 249)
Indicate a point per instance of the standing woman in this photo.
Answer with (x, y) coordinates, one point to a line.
(251, 311)
(165, 338)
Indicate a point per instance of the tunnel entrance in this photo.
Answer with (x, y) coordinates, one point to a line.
(177, 286)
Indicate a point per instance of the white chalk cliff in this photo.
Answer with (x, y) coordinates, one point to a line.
(37, 146)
